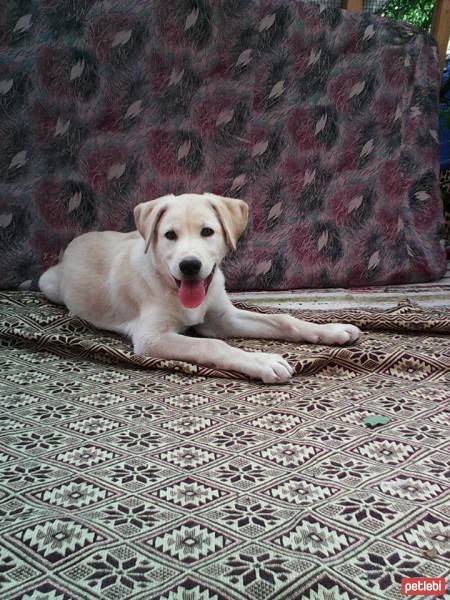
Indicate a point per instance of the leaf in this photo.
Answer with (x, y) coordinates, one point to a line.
(354, 204)
(374, 260)
(314, 57)
(409, 250)
(263, 267)
(275, 211)
(133, 110)
(175, 77)
(323, 240)
(5, 220)
(60, 127)
(116, 170)
(309, 177)
(183, 150)
(238, 181)
(121, 38)
(191, 19)
(367, 148)
(18, 160)
(320, 125)
(23, 24)
(77, 69)
(369, 32)
(260, 148)
(224, 116)
(422, 195)
(357, 89)
(375, 420)
(267, 22)
(277, 89)
(74, 202)
(6, 85)
(434, 135)
(244, 58)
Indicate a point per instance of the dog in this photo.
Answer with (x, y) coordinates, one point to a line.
(155, 283)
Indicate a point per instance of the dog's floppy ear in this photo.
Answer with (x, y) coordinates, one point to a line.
(147, 216)
(233, 216)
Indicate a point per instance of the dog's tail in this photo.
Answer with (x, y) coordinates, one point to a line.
(49, 284)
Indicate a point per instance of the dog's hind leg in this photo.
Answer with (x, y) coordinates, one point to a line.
(49, 284)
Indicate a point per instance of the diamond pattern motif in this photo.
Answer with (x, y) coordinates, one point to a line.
(93, 425)
(117, 572)
(188, 457)
(411, 488)
(385, 451)
(74, 495)
(129, 517)
(276, 422)
(250, 517)
(189, 425)
(86, 456)
(119, 482)
(430, 534)
(134, 474)
(300, 492)
(190, 542)
(57, 539)
(289, 455)
(311, 536)
(190, 494)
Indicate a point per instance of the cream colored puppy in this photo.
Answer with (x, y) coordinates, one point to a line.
(154, 283)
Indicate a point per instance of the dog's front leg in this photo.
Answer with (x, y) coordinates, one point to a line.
(270, 368)
(234, 322)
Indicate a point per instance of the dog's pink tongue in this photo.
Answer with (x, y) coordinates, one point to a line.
(191, 293)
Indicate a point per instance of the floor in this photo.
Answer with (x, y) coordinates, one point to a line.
(434, 294)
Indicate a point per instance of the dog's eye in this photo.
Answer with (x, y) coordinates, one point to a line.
(207, 232)
(171, 235)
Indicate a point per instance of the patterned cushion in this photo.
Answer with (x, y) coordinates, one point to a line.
(324, 120)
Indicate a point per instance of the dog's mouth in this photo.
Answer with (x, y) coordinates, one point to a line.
(192, 292)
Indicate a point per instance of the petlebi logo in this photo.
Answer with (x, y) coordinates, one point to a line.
(423, 586)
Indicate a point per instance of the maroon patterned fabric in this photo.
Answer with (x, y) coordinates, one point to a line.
(323, 120)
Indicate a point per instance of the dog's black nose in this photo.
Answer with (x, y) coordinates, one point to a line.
(190, 266)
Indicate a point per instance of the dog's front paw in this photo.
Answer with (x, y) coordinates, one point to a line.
(270, 368)
(337, 334)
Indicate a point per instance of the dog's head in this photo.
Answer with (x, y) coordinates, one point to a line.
(188, 236)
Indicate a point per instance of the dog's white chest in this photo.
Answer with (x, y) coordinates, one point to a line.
(193, 316)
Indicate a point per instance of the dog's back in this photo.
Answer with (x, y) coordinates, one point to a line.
(82, 280)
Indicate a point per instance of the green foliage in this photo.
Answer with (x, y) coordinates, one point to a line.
(416, 12)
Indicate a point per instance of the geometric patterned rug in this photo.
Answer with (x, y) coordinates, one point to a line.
(123, 477)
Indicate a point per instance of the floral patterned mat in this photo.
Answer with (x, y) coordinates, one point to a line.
(129, 478)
